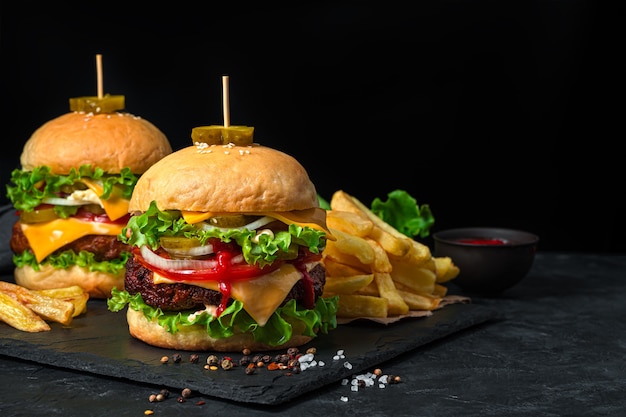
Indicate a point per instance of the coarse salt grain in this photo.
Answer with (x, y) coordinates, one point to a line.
(347, 365)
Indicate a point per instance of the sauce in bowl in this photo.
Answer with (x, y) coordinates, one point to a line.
(482, 241)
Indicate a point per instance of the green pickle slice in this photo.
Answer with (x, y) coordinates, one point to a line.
(175, 242)
(221, 135)
(232, 221)
(94, 104)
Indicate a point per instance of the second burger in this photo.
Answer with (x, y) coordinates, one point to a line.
(72, 193)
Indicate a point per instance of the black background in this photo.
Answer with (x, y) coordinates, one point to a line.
(494, 113)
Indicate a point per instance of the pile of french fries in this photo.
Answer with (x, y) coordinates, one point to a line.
(31, 310)
(374, 269)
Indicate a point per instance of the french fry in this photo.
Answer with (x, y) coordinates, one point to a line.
(349, 222)
(416, 278)
(381, 260)
(352, 245)
(445, 269)
(387, 290)
(48, 308)
(440, 290)
(338, 269)
(17, 315)
(371, 289)
(74, 294)
(418, 255)
(356, 305)
(389, 238)
(417, 301)
(347, 285)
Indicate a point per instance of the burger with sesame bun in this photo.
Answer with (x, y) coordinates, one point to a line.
(227, 242)
(72, 193)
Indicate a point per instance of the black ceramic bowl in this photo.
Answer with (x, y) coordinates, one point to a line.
(490, 259)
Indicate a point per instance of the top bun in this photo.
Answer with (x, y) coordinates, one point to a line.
(225, 179)
(110, 141)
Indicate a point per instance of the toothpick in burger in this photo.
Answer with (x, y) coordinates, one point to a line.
(72, 194)
(227, 241)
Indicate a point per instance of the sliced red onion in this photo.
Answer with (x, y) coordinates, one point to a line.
(191, 252)
(176, 264)
(58, 201)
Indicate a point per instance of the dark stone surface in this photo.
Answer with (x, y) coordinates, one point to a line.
(99, 343)
(557, 350)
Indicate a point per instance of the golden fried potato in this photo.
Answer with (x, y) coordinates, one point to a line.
(17, 315)
(387, 290)
(48, 308)
(346, 285)
(392, 240)
(355, 305)
(349, 222)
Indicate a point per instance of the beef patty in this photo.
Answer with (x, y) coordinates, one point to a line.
(176, 297)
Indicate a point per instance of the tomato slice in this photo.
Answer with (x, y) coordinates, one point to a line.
(222, 271)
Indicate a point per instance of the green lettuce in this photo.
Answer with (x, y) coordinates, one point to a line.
(148, 227)
(401, 211)
(69, 258)
(234, 319)
(31, 187)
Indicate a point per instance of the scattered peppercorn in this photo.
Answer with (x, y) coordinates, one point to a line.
(194, 358)
(246, 351)
(186, 393)
(212, 360)
(227, 364)
(176, 358)
(165, 393)
(165, 359)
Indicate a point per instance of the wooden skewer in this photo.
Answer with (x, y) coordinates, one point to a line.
(99, 74)
(225, 100)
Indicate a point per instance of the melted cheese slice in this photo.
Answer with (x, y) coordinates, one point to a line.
(260, 296)
(115, 207)
(45, 238)
(314, 218)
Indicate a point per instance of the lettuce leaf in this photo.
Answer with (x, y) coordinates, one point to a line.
(401, 211)
(31, 187)
(69, 258)
(278, 330)
(148, 227)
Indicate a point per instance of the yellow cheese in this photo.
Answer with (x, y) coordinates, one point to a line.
(260, 296)
(45, 238)
(115, 207)
(315, 218)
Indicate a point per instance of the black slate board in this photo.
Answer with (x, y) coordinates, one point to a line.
(98, 342)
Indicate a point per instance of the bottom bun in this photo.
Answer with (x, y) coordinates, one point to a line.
(196, 337)
(97, 284)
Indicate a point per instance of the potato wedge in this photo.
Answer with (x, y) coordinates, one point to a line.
(17, 315)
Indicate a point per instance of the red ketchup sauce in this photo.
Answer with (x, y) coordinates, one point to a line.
(482, 241)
